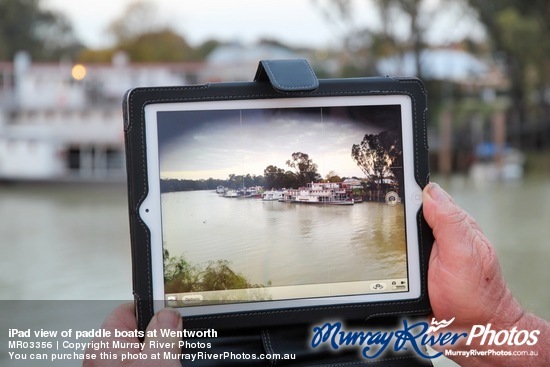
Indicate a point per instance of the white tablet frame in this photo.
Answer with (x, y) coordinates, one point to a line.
(150, 209)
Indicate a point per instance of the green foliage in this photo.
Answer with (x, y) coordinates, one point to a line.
(306, 170)
(173, 184)
(519, 33)
(25, 26)
(96, 56)
(333, 177)
(137, 19)
(143, 38)
(204, 49)
(278, 178)
(232, 182)
(239, 181)
(273, 178)
(219, 276)
(164, 45)
(180, 276)
(378, 156)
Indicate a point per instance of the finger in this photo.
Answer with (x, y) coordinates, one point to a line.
(453, 228)
(439, 208)
(121, 318)
(162, 337)
(461, 255)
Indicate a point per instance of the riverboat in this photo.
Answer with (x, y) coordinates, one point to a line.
(330, 193)
(253, 192)
(324, 200)
(244, 193)
(232, 194)
(272, 195)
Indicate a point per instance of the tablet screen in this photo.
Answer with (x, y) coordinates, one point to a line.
(282, 203)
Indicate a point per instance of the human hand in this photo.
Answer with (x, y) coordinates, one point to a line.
(465, 280)
(123, 319)
(464, 276)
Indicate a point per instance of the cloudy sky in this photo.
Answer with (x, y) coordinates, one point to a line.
(218, 143)
(295, 22)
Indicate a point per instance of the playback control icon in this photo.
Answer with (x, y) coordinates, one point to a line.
(378, 286)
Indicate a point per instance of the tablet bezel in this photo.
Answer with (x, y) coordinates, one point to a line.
(150, 208)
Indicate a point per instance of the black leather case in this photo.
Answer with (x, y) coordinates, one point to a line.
(274, 79)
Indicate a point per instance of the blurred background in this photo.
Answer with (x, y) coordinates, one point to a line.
(65, 65)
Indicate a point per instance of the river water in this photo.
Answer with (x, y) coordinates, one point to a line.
(287, 243)
(515, 217)
(71, 242)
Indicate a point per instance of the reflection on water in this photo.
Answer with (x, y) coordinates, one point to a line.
(286, 243)
(61, 242)
(64, 242)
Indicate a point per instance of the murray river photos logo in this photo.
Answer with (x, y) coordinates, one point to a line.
(416, 336)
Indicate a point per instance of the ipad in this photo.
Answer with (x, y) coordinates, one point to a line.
(263, 206)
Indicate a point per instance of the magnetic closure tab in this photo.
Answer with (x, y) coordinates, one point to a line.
(287, 75)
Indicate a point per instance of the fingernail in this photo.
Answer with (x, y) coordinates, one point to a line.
(169, 318)
(436, 192)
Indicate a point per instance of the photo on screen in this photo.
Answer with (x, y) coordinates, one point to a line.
(281, 203)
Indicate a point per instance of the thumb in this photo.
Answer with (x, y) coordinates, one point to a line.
(439, 207)
(453, 228)
(161, 337)
(464, 273)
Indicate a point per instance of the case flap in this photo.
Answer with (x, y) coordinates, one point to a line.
(287, 75)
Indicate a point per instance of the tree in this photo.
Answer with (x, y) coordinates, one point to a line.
(235, 181)
(378, 157)
(164, 45)
(204, 49)
(519, 32)
(306, 170)
(144, 38)
(138, 18)
(182, 276)
(140, 34)
(332, 176)
(24, 26)
(179, 274)
(403, 27)
(274, 177)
